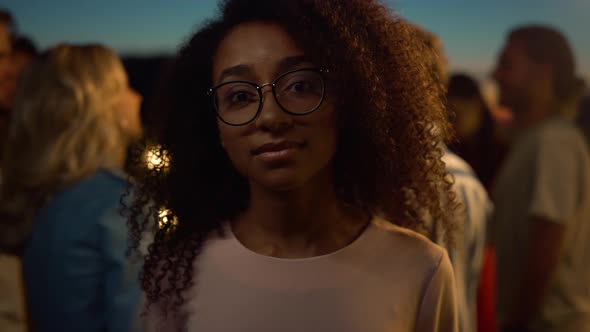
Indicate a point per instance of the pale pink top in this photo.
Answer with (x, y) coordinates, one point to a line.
(388, 279)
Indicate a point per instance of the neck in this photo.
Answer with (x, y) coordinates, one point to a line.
(535, 112)
(307, 221)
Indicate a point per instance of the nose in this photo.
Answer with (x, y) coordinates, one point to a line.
(272, 118)
(137, 95)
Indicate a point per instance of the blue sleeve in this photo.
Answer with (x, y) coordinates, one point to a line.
(122, 292)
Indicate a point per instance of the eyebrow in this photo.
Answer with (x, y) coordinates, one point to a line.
(246, 70)
(239, 70)
(290, 62)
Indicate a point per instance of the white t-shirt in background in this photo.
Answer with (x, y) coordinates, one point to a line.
(547, 174)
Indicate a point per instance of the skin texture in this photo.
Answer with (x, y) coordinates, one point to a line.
(294, 211)
(21, 60)
(316, 132)
(524, 85)
(129, 106)
(468, 116)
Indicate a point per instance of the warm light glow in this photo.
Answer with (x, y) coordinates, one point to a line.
(163, 218)
(157, 158)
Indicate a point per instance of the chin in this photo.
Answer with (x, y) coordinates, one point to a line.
(281, 180)
(135, 136)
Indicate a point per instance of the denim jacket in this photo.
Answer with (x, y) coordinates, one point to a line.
(76, 272)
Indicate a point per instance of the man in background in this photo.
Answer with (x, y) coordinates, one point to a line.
(542, 193)
(7, 72)
(12, 307)
(24, 52)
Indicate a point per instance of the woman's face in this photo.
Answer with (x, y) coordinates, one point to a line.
(277, 150)
(128, 109)
(468, 116)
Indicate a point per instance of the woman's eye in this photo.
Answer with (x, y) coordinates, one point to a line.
(241, 97)
(300, 86)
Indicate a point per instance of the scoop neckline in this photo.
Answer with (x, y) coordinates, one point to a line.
(363, 237)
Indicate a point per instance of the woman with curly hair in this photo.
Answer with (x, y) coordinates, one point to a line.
(74, 117)
(303, 164)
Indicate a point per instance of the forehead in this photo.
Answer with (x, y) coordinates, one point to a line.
(514, 50)
(256, 44)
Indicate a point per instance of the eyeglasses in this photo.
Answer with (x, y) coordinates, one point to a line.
(297, 92)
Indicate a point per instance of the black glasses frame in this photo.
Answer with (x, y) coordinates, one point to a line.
(212, 90)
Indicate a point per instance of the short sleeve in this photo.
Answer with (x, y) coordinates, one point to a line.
(557, 177)
(438, 308)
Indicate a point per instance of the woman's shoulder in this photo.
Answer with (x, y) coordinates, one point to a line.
(103, 180)
(86, 202)
(104, 187)
(411, 248)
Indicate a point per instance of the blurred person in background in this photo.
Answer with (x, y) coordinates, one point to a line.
(7, 71)
(474, 127)
(24, 52)
(542, 194)
(467, 253)
(583, 118)
(583, 114)
(12, 308)
(74, 116)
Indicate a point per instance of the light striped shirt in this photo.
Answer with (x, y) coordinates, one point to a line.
(467, 253)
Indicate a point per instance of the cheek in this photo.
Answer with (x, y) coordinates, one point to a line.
(132, 113)
(135, 111)
(521, 74)
(234, 144)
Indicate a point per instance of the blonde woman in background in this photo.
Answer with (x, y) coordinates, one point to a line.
(74, 117)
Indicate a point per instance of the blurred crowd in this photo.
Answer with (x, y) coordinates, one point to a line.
(518, 165)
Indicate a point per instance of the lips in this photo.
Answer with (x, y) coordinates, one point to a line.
(279, 152)
(275, 147)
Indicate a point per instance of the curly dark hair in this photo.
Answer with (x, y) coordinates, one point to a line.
(390, 122)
